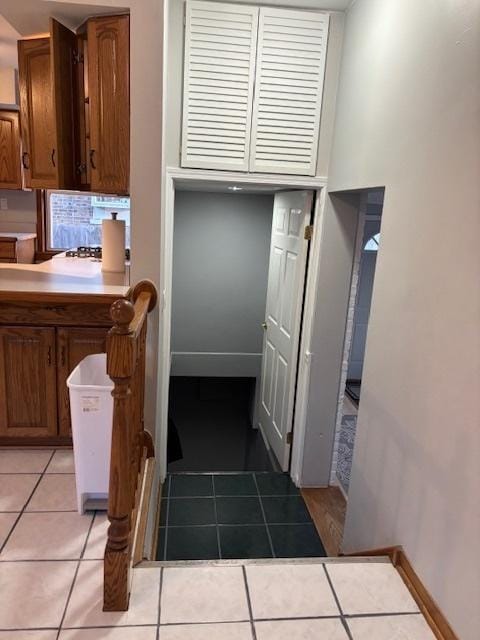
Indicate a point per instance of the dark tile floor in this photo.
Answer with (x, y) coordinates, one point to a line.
(212, 418)
(237, 516)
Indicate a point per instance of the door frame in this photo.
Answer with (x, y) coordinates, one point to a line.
(173, 177)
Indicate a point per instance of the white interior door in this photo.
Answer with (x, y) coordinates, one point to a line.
(286, 279)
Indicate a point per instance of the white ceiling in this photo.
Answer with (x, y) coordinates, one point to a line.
(32, 16)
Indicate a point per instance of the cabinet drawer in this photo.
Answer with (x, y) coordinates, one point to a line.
(7, 250)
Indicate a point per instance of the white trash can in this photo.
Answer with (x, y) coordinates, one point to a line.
(91, 410)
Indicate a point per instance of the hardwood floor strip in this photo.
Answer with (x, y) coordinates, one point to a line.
(327, 507)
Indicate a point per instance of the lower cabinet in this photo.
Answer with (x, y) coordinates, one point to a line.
(35, 363)
(28, 382)
(73, 345)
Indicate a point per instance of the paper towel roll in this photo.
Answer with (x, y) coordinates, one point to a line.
(113, 245)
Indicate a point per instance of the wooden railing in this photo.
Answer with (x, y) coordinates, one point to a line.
(132, 446)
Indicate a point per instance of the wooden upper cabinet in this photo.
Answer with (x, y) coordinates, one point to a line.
(108, 77)
(63, 45)
(73, 345)
(28, 399)
(46, 106)
(10, 168)
(37, 117)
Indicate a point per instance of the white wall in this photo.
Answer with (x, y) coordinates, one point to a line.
(408, 118)
(221, 246)
(21, 214)
(8, 86)
(174, 72)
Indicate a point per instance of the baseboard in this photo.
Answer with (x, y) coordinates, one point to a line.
(156, 530)
(142, 511)
(427, 605)
(240, 365)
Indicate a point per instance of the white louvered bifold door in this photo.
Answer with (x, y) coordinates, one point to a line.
(220, 49)
(288, 93)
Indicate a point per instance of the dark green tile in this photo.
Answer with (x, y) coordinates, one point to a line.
(192, 543)
(160, 544)
(296, 541)
(163, 511)
(190, 485)
(239, 511)
(285, 509)
(250, 541)
(188, 511)
(241, 484)
(275, 484)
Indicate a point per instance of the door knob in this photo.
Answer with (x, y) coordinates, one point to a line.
(264, 326)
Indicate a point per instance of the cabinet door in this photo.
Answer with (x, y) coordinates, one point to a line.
(108, 76)
(28, 400)
(220, 41)
(288, 91)
(37, 114)
(10, 168)
(63, 46)
(72, 346)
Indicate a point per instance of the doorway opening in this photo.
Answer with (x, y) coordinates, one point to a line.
(238, 260)
(358, 314)
(238, 280)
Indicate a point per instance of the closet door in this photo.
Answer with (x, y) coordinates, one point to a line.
(288, 92)
(220, 44)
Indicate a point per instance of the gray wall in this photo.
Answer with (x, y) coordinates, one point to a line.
(220, 268)
(21, 215)
(408, 118)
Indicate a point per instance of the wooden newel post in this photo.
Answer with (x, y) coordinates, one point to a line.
(121, 361)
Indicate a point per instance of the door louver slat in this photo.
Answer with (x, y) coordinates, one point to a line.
(288, 94)
(220, 49)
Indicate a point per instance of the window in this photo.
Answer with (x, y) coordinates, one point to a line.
(75, 219)
(372, 243)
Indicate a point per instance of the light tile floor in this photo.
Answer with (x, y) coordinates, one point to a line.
(51, 580)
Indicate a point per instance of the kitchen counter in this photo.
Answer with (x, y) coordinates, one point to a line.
(79, 280)
(17, 236)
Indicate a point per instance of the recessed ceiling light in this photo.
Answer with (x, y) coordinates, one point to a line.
(235, 188)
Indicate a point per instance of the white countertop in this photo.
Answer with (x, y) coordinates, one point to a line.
(75, 276)
(18, 236)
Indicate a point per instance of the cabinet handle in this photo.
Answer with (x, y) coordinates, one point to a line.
(49, 356)
(25, 160)
(92, 155)
(63, 358)
(53, 157)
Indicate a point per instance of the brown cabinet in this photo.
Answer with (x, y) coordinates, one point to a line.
(46, 107)
(73, 344)
(10, 167)
(75, 107)
(109, 99)
(20, 248)
(28, 398)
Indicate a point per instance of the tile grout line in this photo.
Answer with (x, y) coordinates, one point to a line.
(77, 568)
(337, 600)
(219, 623)
(270, 542)
(217, 530)
(167, 518)
(157, 636)
(230, 495)
(70, 591)
(249, 603)
(26, 503)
